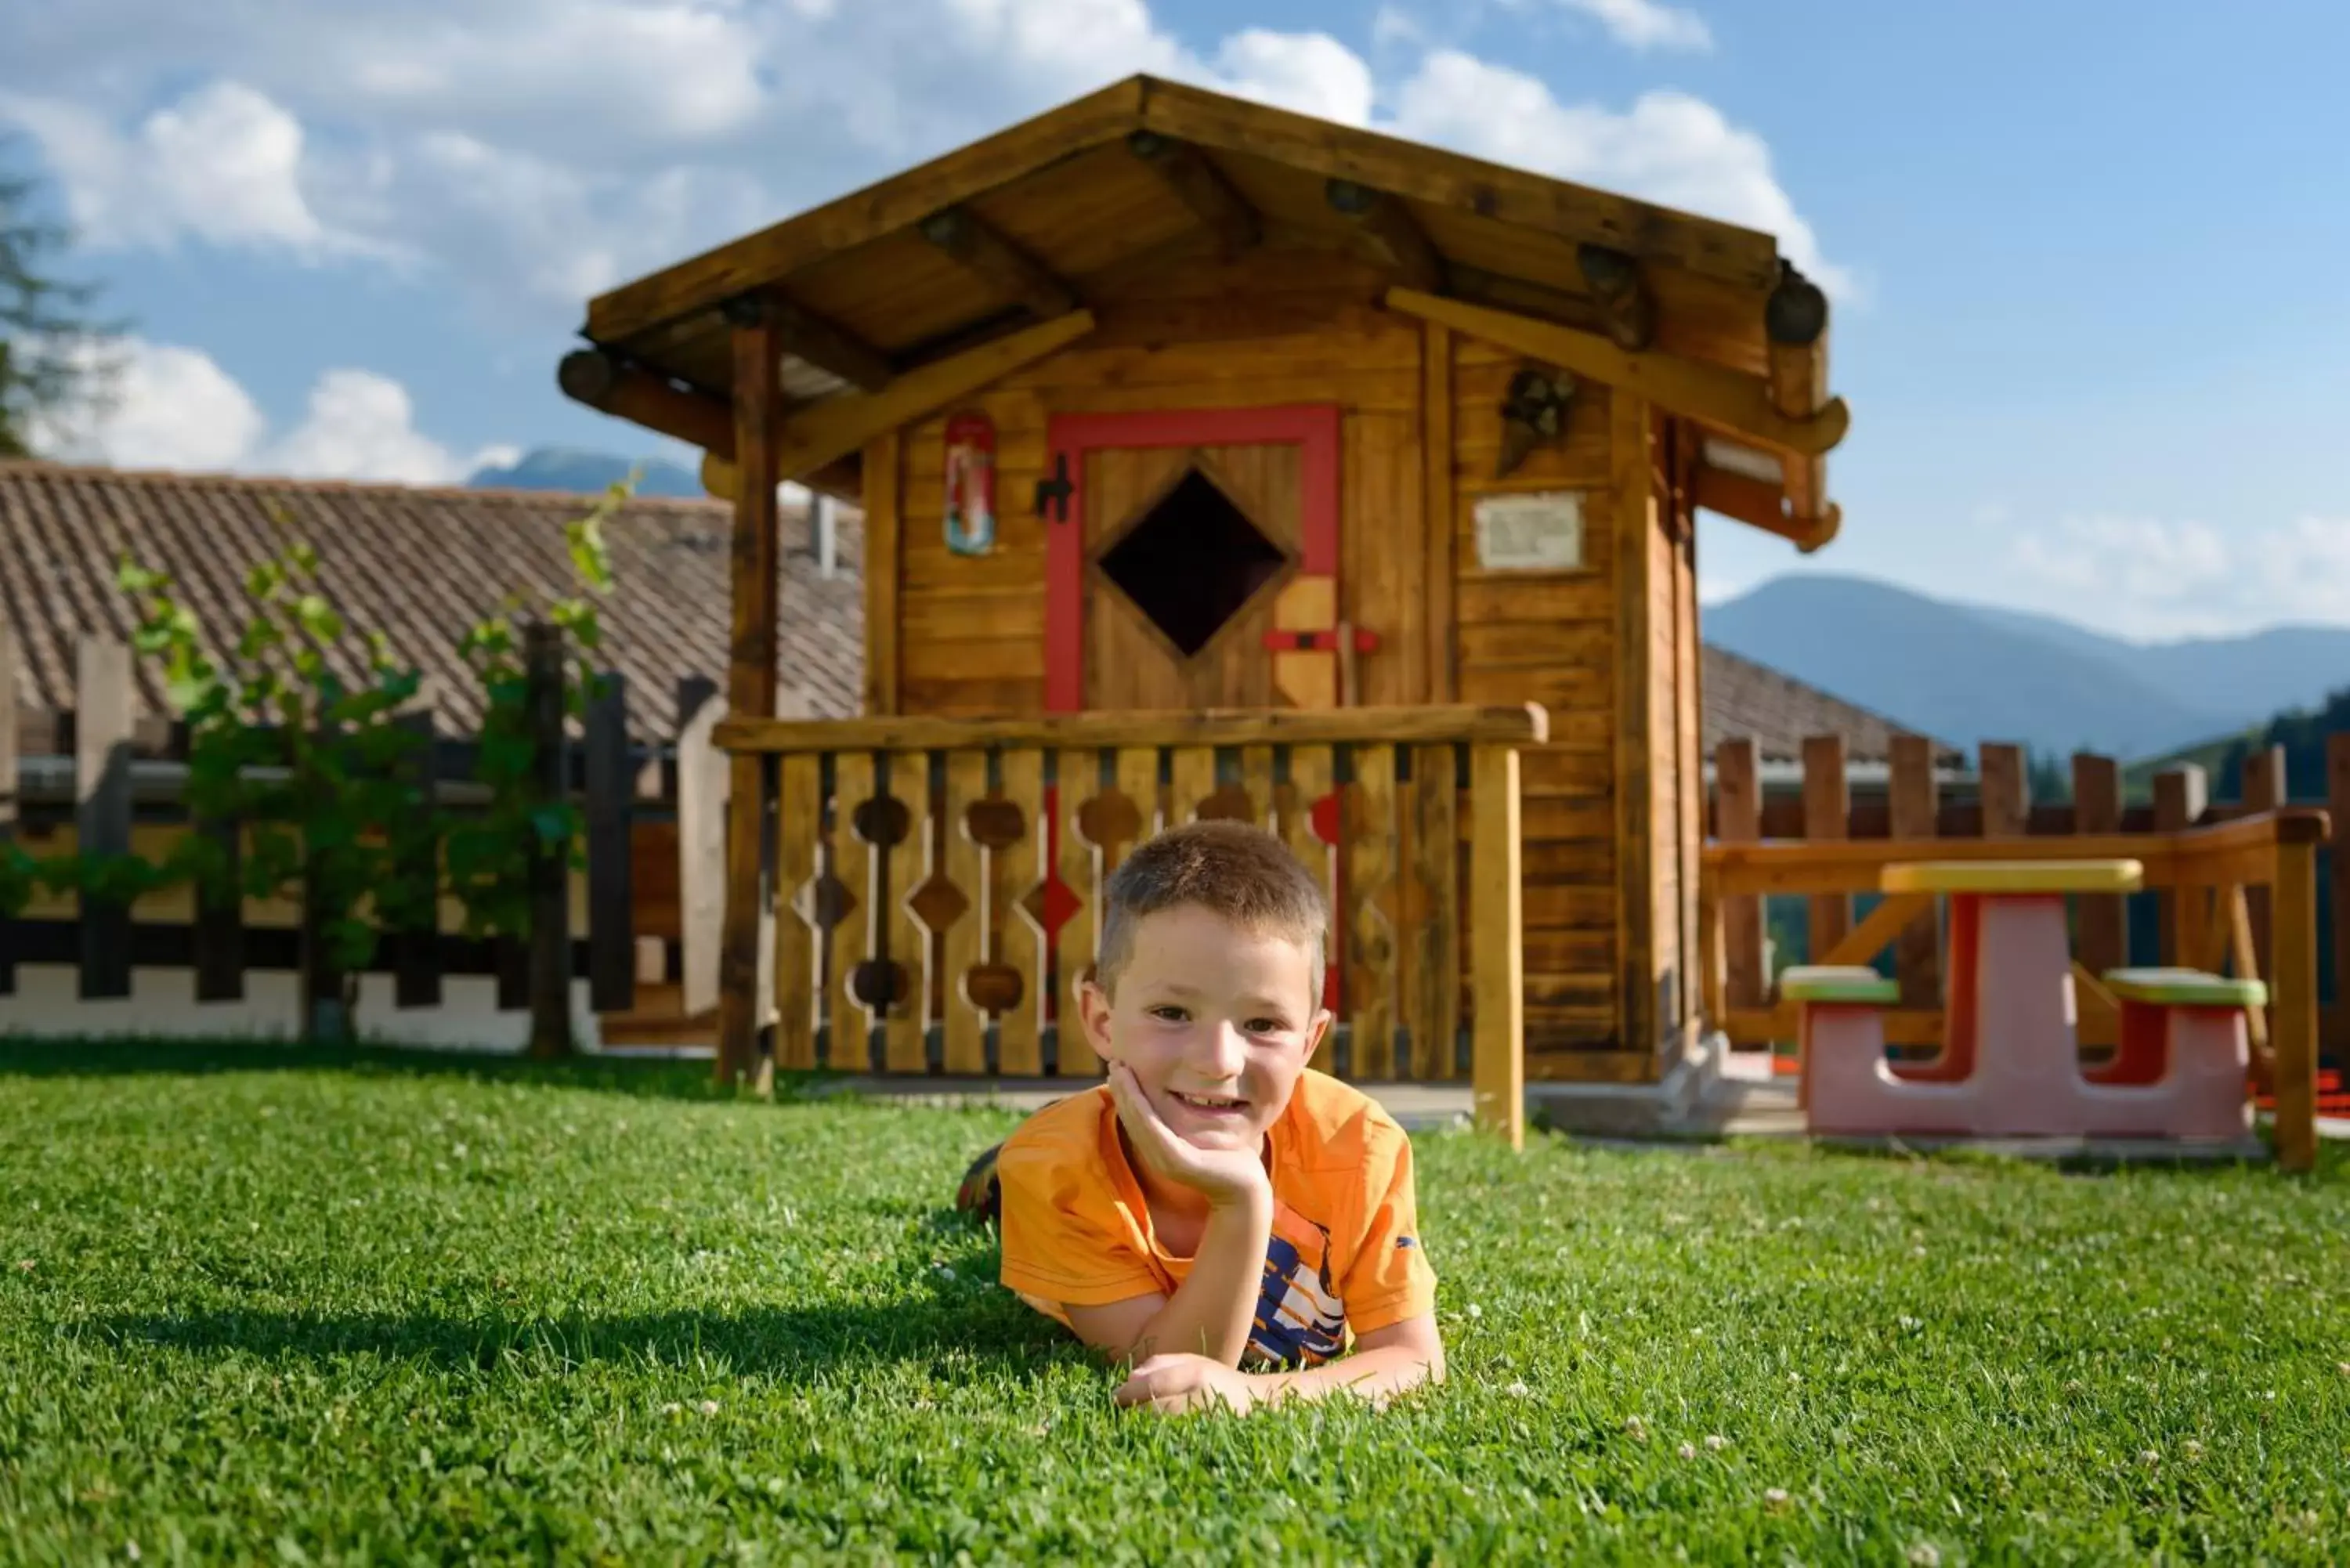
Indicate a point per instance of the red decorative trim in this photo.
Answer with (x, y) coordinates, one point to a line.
(1314, 427)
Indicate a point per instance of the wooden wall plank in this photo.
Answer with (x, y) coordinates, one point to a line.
(857, 866)
(909, 861)
(1431, 949)
(1440, 536)
(799, 825)
(1372, 861)
(1632, 514)
(963, 1027)
(1019, 1043)
(1079, 782)
(884, 531)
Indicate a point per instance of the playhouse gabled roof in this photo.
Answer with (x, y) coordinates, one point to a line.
(1039, 223)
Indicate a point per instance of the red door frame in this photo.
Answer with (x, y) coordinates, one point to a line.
(1312, 427)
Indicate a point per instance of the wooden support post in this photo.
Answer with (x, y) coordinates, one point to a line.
(1915, 811)
(1738, 819)
(1441, 514)
(750, 690)
(2263, 787)
(2337, 811)
(1633, 503)
(2181, 797)
(1496, 921)
(2104, 939)
(2293, 1010)
(1827, 816)
(611, 903)
(8, 772)
(550, 863)
(2006, 791)
(104, 704)
(702, 780)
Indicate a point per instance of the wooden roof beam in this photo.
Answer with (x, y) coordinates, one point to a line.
(1796, 323)
(1711, 394)
(821, 433)
(1403, 245)
(604, 382)
(804, 335)
(1627, 309)
(995, 261)
(1759, 504)
(1198, 186)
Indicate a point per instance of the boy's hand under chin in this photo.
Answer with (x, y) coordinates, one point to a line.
(1226, 1178)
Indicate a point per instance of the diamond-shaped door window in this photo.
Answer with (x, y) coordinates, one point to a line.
(1192, 562)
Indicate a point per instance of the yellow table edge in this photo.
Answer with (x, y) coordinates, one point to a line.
(2013, 876)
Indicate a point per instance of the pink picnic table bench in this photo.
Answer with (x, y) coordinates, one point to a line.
(2010, 1062)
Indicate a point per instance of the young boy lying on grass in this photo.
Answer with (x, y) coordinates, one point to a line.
(1216, 1204)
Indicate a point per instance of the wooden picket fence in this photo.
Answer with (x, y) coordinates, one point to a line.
(639, 925)
(2151, 927)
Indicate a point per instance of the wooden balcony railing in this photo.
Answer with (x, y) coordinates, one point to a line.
(936, 882)
(2202, 872)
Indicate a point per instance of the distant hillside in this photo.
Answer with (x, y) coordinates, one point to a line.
(1968, 676)
(586, 472)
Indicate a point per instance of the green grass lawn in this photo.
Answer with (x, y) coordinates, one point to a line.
(373, 1310)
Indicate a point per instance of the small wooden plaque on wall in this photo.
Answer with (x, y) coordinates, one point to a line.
(1537, 533)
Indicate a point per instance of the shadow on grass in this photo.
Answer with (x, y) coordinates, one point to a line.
(132, 1055)
(789, 1342)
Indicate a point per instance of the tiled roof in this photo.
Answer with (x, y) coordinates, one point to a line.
(423, 565)
(1744, 698)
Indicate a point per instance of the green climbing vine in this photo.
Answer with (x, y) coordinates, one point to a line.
(296, 734)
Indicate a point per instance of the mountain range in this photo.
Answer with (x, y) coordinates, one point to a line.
(1961, 672)
(1968, 673)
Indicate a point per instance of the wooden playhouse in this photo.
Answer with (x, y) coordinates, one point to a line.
(1216, 458)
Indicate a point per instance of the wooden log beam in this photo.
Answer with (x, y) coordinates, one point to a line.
(823, 433)
(995, 261)
(1795, 326)
(1402, 244)
(1625, 306)
(604, 382)
(1760, 505)
(1198, 184)
(824, 343)
(1708, 393)
(751, 683)
(1540, 301)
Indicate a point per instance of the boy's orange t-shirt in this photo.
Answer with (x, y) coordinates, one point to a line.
(1345, 1258)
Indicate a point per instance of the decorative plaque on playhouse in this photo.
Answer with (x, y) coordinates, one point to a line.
(1537, 533)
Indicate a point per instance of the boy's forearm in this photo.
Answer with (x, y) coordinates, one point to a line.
(1373, 1374)
(1210, 1313)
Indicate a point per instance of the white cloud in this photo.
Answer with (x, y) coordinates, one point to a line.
(537, 151)
(174, 408)
(1670, 148)
(1645, 25)
(2157, 578)
(225, 164)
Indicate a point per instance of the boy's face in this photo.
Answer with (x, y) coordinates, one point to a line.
(1215, 1021)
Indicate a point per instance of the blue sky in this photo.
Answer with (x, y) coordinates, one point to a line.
(2093, 328)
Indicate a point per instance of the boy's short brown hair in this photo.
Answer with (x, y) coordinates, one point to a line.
(1230, 869)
